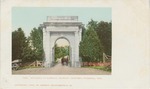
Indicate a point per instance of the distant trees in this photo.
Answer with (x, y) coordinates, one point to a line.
(61, 51)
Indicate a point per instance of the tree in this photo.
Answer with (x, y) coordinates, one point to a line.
(103, 30)
(36, 43)
(18, 44)
(61, 51)
(104, 33)
(92, 24)
(57, 55)
(29, 53)
(90, 47)
(83, 31)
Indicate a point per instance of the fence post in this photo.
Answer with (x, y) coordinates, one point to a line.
(103, 57)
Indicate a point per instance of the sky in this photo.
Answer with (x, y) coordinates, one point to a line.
(29, 17)
(62, 42)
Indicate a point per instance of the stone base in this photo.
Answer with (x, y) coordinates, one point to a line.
(75, 64)
(48, 65)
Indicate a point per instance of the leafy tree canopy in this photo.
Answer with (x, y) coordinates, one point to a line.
(61, 51)
(18, 44)
(90, 47)
(36, 42)
(104, 33)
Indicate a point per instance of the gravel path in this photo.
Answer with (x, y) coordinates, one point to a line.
(58, 69)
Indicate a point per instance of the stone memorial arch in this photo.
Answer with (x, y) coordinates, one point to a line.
(57, 27)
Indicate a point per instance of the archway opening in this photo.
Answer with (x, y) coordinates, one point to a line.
(62, 51)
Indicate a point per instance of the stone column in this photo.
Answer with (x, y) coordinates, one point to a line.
(70, 54)
(80, 34)
(72, 51)
(76, 61)
(51, 52)
(47, 49)
(44, 45)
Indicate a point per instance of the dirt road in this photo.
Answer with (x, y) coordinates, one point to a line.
(58, 69)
